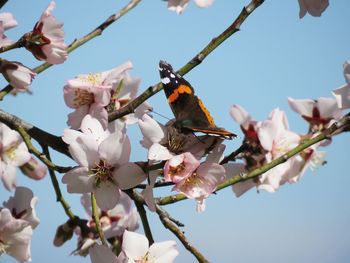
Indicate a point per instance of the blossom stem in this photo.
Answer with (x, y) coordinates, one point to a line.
(56, 186)
(17, 44)
(79, 42)
(336, 128)
(96, 218)
(212, 45)
(139, 203)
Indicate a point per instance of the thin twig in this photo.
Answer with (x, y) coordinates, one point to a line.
(96, 218)
(213, 44)
(79, 42)
(139, 203)
(56, 186)
(335, 129)
(2, 3)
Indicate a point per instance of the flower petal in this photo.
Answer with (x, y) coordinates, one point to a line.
(107, 195)
(129, 175)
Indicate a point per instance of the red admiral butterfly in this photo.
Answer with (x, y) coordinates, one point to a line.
(190, 113)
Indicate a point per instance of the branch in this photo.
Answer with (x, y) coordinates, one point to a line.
(169, 224)
(42, 137)
(27, 140)
(213, 44)
(79, 42)
(336, 128)
(2, 3)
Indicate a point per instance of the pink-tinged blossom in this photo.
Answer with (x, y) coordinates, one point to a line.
(13, 153)
(276, 139)
(202, 183)
(313, 7)
(22, 206)
(18, 76)
(46, 41)
(180, 167)
(198, 181)
(103, 160)
(318, 113)
(34, 169)
(7, 21)
(92, 93)
(163, 142)
(135, 248)
(147, 193)
(116, 220)
(179, 5)
(342, 94)
(17, 221)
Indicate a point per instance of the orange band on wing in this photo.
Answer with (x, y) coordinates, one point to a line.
(206, 112)
(180, 90)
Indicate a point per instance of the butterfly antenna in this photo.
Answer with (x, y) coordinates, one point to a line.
(161, 115)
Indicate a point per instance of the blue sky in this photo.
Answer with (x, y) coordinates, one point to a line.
(275, 55)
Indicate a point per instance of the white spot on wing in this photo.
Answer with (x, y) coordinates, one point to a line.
(165, 80)
(160, 69)
(172, 75)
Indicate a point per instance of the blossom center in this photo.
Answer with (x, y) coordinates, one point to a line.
(176, 170)
(103, 172)
(94, 79)
(82, 97)
(10, 152)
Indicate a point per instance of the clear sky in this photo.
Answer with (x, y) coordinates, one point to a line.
(275, 55)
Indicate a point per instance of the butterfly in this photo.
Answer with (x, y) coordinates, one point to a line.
(190, 113)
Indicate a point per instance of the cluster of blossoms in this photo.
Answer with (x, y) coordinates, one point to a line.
(102, 149)
(17, 221)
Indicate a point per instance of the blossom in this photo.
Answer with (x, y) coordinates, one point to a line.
(163, 142)
(116, 220)
(13, 153)
(196, 181)
(342, 94)
(96, 94)
(34, 169)
(179, 5)
(18, 76)
(103, 160)
(135, 248)
(102, 254)
(180, 167)
(7, 21)
(17, 221)
(46, 41)
(276, 139)
(313, 7)
(319, 113)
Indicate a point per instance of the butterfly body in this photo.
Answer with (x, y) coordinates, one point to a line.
(190, 113)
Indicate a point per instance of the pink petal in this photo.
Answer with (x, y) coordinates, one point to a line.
(328, 108)
(204, 3)
(240, 115)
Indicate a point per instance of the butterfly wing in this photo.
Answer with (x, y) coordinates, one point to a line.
(190, 112)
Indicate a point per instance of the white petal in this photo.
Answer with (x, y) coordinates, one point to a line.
(102, 254)
(85, 151)
(163, 252)
(129, 175)
(342, 96)
(79, 180)
(304, 106)
(204, 3)
(151, 129)
(107, 195)
(134, 245)
(328, 108)
(158, 152)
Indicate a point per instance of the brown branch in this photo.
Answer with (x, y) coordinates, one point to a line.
(41, 136)
(2, 3)
(79, 42)
(213, 44)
